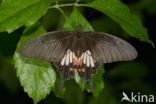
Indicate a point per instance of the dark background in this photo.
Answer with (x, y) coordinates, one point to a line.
(135, 76)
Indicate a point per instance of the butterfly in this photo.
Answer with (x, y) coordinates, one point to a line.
(78, 51)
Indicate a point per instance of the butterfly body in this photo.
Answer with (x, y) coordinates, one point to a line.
(79, 51)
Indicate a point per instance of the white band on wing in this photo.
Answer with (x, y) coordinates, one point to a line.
(85, 59)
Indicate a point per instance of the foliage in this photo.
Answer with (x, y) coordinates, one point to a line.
(14, 14)
(121, 14)
(38, 77)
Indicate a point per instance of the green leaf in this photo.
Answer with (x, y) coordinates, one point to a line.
(72, 22)
(76, 20)
(36, 76)
(120, 13)
(14, 14)
(98, 81)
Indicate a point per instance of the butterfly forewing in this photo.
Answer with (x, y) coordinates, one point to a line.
(79, 51)
(109, 48)
(51, 46)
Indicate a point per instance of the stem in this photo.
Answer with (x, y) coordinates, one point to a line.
(66, 5)
(58, 6)
(62, 12)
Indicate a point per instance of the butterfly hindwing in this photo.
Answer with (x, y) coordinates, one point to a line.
(85, 65)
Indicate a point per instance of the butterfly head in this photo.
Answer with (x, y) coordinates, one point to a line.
(78, 28)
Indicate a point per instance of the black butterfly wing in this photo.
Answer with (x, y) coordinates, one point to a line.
(51, 46)
(107, 48)
(54, 47)
(104, 48)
